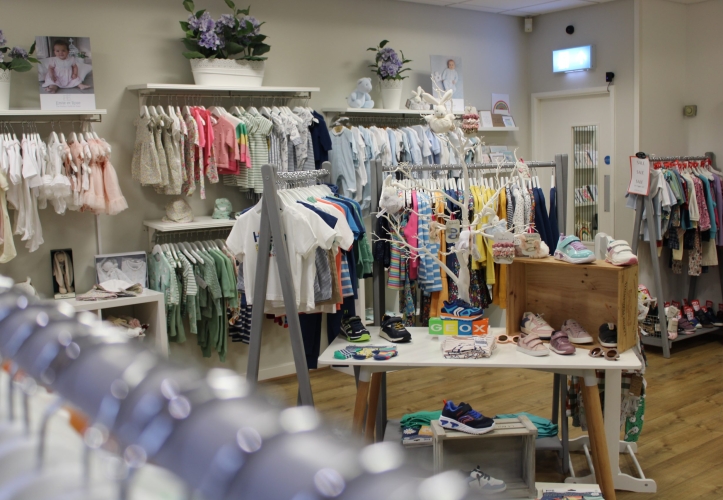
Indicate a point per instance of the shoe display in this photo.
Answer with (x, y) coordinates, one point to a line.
(354, 329)
(712, 318)
(560, 344)
(576, 333)
(703, 319)
(685, 327)
(671, 312)
(534, 324)
(464, 419)
(393, 330)
(570, 249)
(608, 335)
(531, 345)
(619, 253)
(485, 483)
(459, 309)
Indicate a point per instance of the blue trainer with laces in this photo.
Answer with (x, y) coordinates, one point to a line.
(459, 309)
(464, 419)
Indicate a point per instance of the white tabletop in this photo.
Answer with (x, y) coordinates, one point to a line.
(94, 305)
(425, 350)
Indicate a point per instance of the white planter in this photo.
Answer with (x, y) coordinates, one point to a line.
(228, 72)
(391, 93)
(5, 89)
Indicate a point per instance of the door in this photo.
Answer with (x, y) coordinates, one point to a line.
(580, 124)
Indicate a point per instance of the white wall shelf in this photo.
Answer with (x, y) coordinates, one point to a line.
(201, 222)
(498, 129)
(166, 88)
(377, 111)
(149, 307)
(51, 115)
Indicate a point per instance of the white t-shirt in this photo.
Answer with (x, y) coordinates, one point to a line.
(243, 242)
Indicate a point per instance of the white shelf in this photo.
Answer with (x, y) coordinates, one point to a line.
(97, 305)
(52, 112)
(377, 111)
(202, 88)
(201, 222)
(498, 129)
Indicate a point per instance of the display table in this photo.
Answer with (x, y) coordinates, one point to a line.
(149, 307)
(425, 351)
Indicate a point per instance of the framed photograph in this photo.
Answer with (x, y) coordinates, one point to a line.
(447, 73)
(485, 119)
(131, 267)
(508, 121)
(501, 104)
(65, 72)
(61, 262)
(497, 157)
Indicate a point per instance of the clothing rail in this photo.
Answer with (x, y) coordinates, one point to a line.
(90, 117)
(304, 174)
(644, 203)
(208, 427)
(472, 166)
(379, 286)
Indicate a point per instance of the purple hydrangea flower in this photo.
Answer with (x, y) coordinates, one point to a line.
(206, 23)
(193, 22)
(254, 22)
(387, 53)
(3, 40)
(18, 53)
(389, 69)
(210, 40)
(226, 20)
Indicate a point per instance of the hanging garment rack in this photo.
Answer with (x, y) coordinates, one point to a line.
(271, 226)
(645, 203)
(378, 282)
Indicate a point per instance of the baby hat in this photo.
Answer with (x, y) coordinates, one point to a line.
(222, 209)
(178, 211)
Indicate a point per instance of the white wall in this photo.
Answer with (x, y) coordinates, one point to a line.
(321, 43)
(609, 28)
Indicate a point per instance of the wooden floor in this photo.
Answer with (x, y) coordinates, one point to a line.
(681, 445)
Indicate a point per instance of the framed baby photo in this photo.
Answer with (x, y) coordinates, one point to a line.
(447, 75)
(65, 72)
(61, 263)
(131, 267)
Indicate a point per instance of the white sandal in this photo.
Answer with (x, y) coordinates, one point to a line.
(619, 253)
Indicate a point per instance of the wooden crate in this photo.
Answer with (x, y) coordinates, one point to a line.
(592, 294)
(506, 453)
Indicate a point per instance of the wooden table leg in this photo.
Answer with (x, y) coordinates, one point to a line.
(360, 407)
(596, 433)
(376, 386)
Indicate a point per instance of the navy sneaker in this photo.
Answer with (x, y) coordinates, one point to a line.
(354, 330)
(393, 330)
(459, 309)
(464, 419)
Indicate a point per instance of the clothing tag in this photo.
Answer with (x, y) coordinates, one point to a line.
(200, 282)
(667, 304)
(696, 304)
(636, 385)
(677, 304)
(452, 229)
(639, 176)
(689, 312)
(709, 304)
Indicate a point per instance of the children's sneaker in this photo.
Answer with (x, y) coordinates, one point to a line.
(576, 333)
(608, 335)
(685, 327)
(354, 330)
(485, 483)
(560, 344)
(393, 330)
(570, 249)
(464, 419)
(712, 318)
(459, 309)
(534, 324)
(702, 319)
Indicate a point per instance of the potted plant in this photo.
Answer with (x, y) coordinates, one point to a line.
(15, 59)
(388, 67)
(228, 51)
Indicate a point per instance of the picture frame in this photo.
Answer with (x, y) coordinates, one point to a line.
(508, 121)
(65, 72)
(63, 273)
(129, 266)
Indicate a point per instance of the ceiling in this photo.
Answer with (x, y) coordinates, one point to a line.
(520, 7)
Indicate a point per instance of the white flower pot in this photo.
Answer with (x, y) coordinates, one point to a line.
(391, 93)
(228, 72)
(5, 89)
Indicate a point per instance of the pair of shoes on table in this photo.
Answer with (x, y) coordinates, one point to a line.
(464, 419)
(394, 331)
(535, 329)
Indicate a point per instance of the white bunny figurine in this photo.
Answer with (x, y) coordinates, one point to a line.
(416, 102)
(440, 121)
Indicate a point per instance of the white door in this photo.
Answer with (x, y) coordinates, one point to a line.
(580, 124)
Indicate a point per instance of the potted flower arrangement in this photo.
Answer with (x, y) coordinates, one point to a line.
(15, 59)
(227, 51)
(388, 67)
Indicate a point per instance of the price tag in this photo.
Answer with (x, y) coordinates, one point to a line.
(452, 231)
(639, 176)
